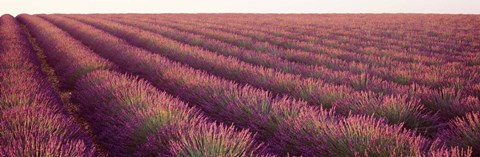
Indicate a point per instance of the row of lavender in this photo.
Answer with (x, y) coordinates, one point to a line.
(128, 116)
(396, 109)
(358, 82)
(420, 33)
(443, 101)
(420, 68)
(431, 98)
(451, 102)
(356, 33)
(315, 92)
(34, 122)
(280, 122)
(459, 68)
(350, 31)
(373, 61)
(409, 67)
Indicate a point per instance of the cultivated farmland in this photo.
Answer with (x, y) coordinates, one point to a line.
(240, 85)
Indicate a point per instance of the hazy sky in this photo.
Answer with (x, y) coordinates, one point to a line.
(239, 6)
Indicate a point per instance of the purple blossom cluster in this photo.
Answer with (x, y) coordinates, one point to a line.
(131, 117)
(69, 57)
(34, 121)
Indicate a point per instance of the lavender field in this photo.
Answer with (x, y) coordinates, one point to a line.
(240, 85)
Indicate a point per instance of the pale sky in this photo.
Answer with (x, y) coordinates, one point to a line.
(15, 7)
